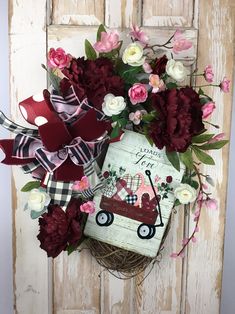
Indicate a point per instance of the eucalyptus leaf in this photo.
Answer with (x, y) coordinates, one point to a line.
(30, 186)
(174, 159)
(90, 51)
(202, 156)
(187, 159)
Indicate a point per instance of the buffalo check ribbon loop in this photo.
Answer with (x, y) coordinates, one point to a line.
(79, 151)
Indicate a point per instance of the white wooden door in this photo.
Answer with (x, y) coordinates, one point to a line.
(77, 284)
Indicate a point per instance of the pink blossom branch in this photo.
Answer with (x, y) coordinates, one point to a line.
(198, 201)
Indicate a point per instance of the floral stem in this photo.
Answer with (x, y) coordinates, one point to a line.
(214, 125)
(200, 86)
(199, 202)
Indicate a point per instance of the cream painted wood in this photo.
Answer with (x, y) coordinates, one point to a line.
(80, 286)
(77, 12)
(27, 39)
(205, 258)
(173, 13)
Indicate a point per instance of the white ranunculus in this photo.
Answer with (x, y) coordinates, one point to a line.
(176, 70)
(133, 55)
(113, 105)
(38, 199)
(185, 193)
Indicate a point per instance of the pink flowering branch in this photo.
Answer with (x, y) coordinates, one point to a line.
(197, 214)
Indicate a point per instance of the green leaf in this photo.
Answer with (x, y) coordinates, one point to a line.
(177, 202)
(202, 156)
(34, 214)
(90, 51)
(173, 159)
(70, 249)
(204, 100)
(122, 122)
(201, 92)
(194, 184)
(115, 132)
(215, 145)
(187, 159)
(55, 80)
(202, 138)
(99, 31)
(149, 116)
(30, 185)
(128, 73)
(171, 85)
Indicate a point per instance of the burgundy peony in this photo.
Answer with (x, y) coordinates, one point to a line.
(58, 228)
(179, 119)
(93, 79)
(159, 66)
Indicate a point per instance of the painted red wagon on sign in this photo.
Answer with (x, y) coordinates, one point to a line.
(145, 214)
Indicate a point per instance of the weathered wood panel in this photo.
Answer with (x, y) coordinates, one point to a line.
(122, 13)
(27, 51)
(174, 13)
(205, 258)
(77, 12)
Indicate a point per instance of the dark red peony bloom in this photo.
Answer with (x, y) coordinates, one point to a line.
(59, 228)
(179, 119)
(159, 66)
(93, 79)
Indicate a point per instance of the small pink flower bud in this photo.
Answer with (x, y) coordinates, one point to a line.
(224, 85)
(207, 109)
(208, 74)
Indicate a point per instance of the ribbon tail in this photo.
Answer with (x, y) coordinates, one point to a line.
(7, 147)
(15, 128)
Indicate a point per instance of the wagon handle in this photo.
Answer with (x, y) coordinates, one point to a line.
(148, 173)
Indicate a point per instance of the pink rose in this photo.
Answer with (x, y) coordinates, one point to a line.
(108, 42)
(139, 35)
(88, 207)
(57, 58)
(207, 109)
(180, 43)
(216, 138)
(147, 68)
(138, 93)
(156, 83)
(224, 85)
(136, 117)
(211, 204)
(208, 74)
(81, 185)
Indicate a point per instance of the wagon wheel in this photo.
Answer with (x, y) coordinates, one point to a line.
(104, 218)
(146, 231)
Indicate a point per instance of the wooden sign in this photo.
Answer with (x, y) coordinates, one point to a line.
(133, 209)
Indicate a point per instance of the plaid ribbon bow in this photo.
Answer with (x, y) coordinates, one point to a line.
(79, 151)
